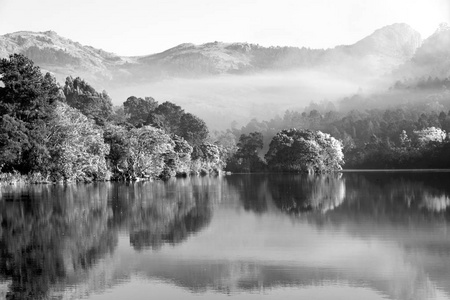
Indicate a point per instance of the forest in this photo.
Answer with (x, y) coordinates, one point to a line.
(403, 127)
(50, 132)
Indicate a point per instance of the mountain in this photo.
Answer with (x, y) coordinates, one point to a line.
(432, 58)
(61, 56)
(379, 53)
(376, 54)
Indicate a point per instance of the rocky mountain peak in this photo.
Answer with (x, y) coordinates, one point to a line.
(394, 40)
(432, 58)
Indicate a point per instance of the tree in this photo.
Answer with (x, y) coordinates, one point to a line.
(147, 150)
(246, 158)
(181, 162)
(13, 140)
(117, 139)
(206, 159)
(79, 94)
(430, 134)
(193, 129)
(76, 146)
(171, 117)
(27, 100)
(293, 150)
(139, 109)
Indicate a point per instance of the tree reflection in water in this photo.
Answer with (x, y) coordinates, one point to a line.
(293, 194)
(51, 235)
(163, 212)
(392, 195)
(398, 197)
(54, 237)
(297, 194)
(48, 233)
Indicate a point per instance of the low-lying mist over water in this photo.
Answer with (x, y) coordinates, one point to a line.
(222, 99)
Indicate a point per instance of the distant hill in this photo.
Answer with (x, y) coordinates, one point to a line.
(61, 56)
(376, 54)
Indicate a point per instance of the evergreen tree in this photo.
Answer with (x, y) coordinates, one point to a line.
(27, 101)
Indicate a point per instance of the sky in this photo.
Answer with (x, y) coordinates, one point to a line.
(139, 27)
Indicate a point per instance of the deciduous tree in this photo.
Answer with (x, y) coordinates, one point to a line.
(76, 146)
(293, 150)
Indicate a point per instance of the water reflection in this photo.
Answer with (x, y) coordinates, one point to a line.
(48, 234)
(297, 194)
(387, 231)
(52, 235)
(385, 234)
(155, 214)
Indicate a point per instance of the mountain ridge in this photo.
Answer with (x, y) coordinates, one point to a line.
(64, 57)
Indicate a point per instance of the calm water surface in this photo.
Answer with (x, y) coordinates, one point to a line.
(354, 236)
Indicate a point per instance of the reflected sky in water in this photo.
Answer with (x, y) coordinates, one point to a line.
(352, 236)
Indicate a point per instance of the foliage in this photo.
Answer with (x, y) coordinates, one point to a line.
(181, 162)
(206, 159)
(139, 110)
(193, 129)
(295, 150)
(27, 94)
(426, 149)
(13, 140)
(79, 94)
(147, 149)
(150, 152)
(168, 116)
(26, 104)
(246, 158)
(17, 178)
(117, 138)
(430, 134)
(76, 146)
(118, 116)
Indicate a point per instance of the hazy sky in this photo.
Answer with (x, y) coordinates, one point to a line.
(136, 27)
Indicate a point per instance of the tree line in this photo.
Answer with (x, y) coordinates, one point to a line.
(74, 133)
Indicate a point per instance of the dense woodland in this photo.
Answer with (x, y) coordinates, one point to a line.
(74, 133)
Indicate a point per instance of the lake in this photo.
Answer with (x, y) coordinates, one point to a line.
(356, 235)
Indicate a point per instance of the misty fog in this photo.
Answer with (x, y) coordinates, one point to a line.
(220, 100)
